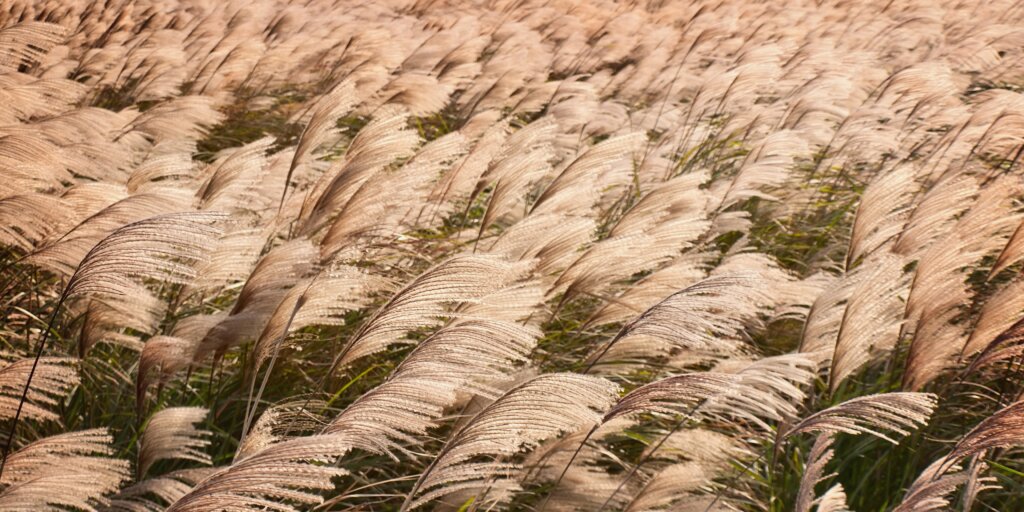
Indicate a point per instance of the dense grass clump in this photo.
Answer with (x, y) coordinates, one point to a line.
(511, 255)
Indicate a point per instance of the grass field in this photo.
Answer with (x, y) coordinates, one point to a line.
(511, 255)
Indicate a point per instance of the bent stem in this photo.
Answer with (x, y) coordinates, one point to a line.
(28, 382)
(643, 461)
(252, 404)
(568, 465)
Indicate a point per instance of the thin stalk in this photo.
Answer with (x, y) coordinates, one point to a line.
(251, 405)
(568, 465)
(28, 382)
(643, 461)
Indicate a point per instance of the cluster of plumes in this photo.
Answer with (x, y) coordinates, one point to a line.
(545, 221)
